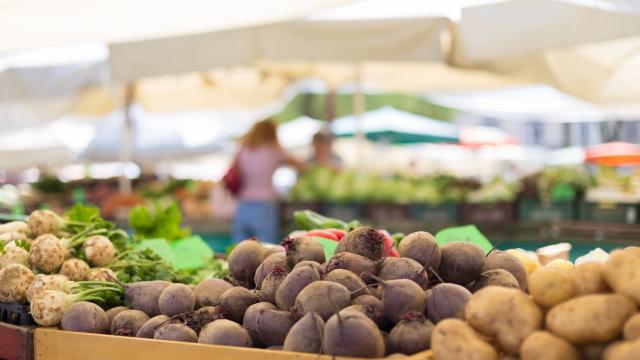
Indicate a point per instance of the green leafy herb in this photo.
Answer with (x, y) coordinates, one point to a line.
(158, 222)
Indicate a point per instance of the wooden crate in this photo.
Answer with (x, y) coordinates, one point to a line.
(16, 342)
(57, 344)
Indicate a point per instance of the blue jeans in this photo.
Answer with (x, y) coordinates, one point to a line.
(257, 218)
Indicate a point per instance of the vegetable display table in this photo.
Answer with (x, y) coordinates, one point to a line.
(57, 344)
(16, 342)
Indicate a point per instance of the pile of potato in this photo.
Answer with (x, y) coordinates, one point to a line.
(587, 311)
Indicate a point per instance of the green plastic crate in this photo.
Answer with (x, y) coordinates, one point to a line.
(610, 213)
(438, 214)
(533, 210)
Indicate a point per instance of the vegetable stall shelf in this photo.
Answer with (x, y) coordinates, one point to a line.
(16, 342)
(52, 343)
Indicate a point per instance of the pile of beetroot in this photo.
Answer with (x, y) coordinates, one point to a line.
(358, 303)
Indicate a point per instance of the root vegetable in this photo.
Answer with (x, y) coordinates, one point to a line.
(235, 301)
(197, 319)
(374, 312)
(400, 297)
(128, 323)
(622, 272)
(111, 313)
(14, 282)
(461, 262)
(48, 307)
(208, 292)
(273, 326)
(14, 226)
(224, 332)
(405, 268)
(43, 282)
(349, 280)
(244, 260)
(144, 296)
(271, 284)
(447, 301)
(306, 335)
(623, 350)
(324, 298)
(86, 317)
(44, 222)
(355, 263)
(541, 345)
(508, 315)
(352, 334)
(148, 329)
(75, 269)
(99, 250)
(14, 255)
(176, 299)
(588, 278)
(411, 335)
(495, 277)
(590, 319)
(9, 237)
(272, 249)
(454, 339)
(101, 274)
(267, 266)
(250, 320)
(313, 264)
(422, 247)
(364, 241)
(293, 284)
(303, 248)
(631, 329)
(47, 253)
(367, 300)
(176, 332)
(499, 259)
(550, 286)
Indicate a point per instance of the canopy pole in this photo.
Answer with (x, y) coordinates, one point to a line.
(126, 146)
(358, 110)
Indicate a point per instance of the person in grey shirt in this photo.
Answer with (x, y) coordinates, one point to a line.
(323, 154)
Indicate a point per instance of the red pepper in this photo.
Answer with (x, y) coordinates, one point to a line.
(337, 232)
(388, 244)
(394, 253)
(323, 234)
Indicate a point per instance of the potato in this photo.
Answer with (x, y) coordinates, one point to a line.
(530, 264)
(590, 319)
(550, 286)
(631, 330)
(542, 345)
(496, 277)
(587, 279)
(508, 315)
(454, 339)
(622, 350)
(592, 351)
(560, 264)
(622, 272)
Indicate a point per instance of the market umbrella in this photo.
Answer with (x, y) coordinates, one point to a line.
(614, 154)
(397, 127)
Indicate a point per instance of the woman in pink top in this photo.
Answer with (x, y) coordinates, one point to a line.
(259, 157)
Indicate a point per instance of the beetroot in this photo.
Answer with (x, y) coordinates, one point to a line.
(350, 333)
(400, 297)
(208, 292)
(224, 332)
(144, 296)
(303, 248)
(498, 259)
(373, 312)
(85, 316)
(250, 320)
(176, 299)
(322, 297)
(148, 329)
(405, 268)
(305, 335)
(244, 259)
(176, 332)
(349, 280)
(128, 322)
(293, 283)
(235, 301)
(461, 262)
(270, 249)
(367, 300)
(111, 313)
(497, 277)
(447, 301)
(364, 241)
(273, 326)
(355, 263)
(268, 265)
(197, 319)
(313, 264)
(271, 284)
(422, 247)
(411, 335)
